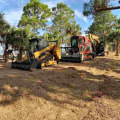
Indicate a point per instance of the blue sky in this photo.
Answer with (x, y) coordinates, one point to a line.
(13, 10)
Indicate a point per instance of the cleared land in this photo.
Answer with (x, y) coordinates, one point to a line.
(69, 91)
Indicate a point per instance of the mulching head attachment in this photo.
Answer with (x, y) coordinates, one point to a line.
(21, 65)
(26, 65)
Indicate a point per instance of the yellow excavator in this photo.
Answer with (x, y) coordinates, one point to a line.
(43, 53)
(98, 46)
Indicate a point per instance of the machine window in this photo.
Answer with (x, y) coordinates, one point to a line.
(87, 48)
(41, 44)
(80, 41)
(74, 42)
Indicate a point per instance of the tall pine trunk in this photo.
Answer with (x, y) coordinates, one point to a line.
(21, 50)
(117, 48)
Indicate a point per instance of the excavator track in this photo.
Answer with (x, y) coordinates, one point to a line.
(26, 65)
(21, 65)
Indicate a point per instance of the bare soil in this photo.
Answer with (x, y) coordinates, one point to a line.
(68, 91)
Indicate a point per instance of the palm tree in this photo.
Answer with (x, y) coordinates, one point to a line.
(20, 38)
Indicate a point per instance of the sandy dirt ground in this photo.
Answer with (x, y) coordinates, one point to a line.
(68, 91)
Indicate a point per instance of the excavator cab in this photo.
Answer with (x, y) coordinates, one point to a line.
(76, 42)
(38, 44)
(79, 51)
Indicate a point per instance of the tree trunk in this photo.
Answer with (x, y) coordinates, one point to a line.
(117, 48)
(6, 54)
(62, 39)
(21, 50)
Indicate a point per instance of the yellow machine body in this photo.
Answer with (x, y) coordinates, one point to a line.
(49, 55)
(98, 45)
(56, 55)
(94, 38)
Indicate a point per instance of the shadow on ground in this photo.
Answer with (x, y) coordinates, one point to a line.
(57, 85)
(105, 64)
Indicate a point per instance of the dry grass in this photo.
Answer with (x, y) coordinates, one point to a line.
(69, 91)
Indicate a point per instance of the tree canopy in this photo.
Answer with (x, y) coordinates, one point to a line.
(35, 14)
(92, 5)
(4, 26)
(104, 23)
(64, 24)
(114, 37)
(20, 36)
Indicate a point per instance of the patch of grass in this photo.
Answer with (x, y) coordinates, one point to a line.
(52, 87)
(72, 85)
(13, 76)
(82, 75)
(5, 98)
(88, 78)
(112, 66)
(30, 90)
(64, 70)
(24, 91)
(116, 63)
(31, 79)
(11, 90)
(72, 93)
(93, 79)
(87, 96)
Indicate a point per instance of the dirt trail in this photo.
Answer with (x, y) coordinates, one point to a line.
(69, 91)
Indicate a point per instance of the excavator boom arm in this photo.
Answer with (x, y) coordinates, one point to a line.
(94, 38)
